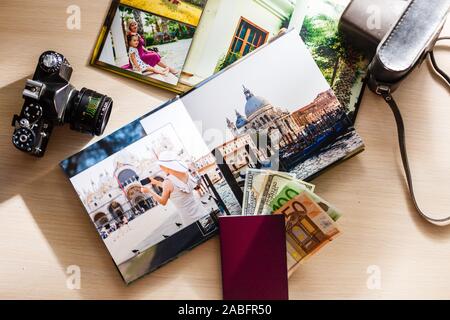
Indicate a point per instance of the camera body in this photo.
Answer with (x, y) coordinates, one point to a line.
(50, 100)
(399, 42)
(366, 22)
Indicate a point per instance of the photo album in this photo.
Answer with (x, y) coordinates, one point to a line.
(178, 44)
(155, 188)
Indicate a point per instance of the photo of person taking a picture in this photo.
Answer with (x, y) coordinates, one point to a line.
(178, 188)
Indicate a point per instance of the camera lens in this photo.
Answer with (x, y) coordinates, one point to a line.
(89, 112)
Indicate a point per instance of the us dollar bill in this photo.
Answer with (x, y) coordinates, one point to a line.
(256, 183)
(291, 190)
(308, 228)
(271, 186)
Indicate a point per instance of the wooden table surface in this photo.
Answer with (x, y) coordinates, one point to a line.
(44, 229)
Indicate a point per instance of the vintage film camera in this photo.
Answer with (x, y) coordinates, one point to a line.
(366, 22)
(403, 38)
(50, 100)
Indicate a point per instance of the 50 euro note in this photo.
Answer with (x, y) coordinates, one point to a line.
(308, 229)
(255, 183)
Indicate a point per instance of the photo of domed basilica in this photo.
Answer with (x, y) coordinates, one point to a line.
(117, 196)
(260, 114)
(266, 135)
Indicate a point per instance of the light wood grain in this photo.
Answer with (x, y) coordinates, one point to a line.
(44, 228)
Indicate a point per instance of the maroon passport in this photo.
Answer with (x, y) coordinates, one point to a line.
(253, 252)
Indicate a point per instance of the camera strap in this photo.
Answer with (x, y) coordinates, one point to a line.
(385, 92)
(436, 68)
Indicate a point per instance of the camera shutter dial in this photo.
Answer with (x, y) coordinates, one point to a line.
(24, 139)
(51, 61)
(33, 112)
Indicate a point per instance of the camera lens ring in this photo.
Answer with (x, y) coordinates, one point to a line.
(89, 112)
(103, 116)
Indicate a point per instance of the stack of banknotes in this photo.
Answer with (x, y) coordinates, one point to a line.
(310, 220)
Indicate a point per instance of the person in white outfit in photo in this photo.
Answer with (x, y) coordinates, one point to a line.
(178, 187)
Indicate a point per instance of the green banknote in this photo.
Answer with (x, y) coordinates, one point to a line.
(291, 190)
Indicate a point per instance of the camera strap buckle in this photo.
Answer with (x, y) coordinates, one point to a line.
(33, 89)
(382, 90)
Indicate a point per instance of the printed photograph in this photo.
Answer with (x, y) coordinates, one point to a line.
(231, 29)
(343, 66)
(187, 11)
(278, 118)
(150, 43)
(156, 197)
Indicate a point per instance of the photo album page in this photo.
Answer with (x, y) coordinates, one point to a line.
(275, 111)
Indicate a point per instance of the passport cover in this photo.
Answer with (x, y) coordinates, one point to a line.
(253, 250)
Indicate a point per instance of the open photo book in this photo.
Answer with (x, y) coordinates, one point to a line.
(156, 187)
